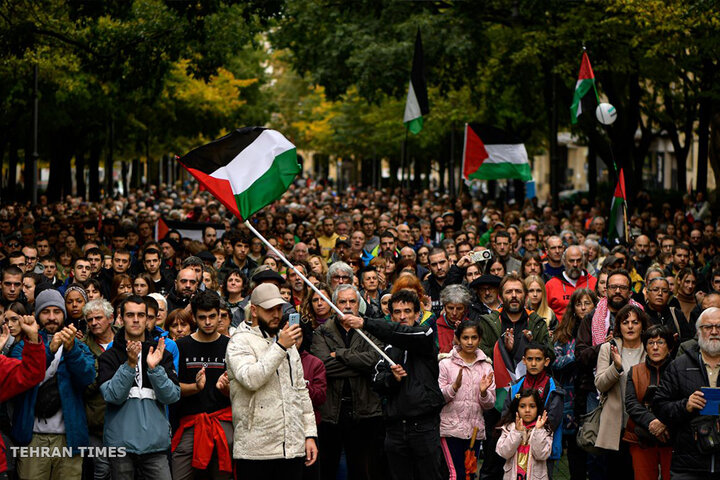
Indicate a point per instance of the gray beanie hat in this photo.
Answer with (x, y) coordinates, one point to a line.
(49, 298)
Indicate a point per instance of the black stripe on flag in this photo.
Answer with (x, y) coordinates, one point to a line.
(220, 152)
(494, 136)
(417, 76)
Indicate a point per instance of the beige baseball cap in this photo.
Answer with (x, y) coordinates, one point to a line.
(266, 296)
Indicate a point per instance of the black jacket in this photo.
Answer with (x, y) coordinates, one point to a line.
(354, 365)
(454, 276)
(685, 375)
(174, 301)
(642, 413)
(666, 318)
(418, 394)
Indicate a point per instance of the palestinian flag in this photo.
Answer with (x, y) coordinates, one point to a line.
(417, 99)
(506, 372)
(191, 230)
(491, 154)
(617, 210)
(585, 82)
(246, 169)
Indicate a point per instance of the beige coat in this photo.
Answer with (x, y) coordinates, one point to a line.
(611, 383)
(271, 408)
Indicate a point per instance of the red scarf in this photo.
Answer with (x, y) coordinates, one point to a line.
(538, 382)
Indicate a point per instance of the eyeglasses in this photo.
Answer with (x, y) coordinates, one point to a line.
(341, 277)
(664, 291)
(656, 343)
(13, 245)
(621, 288)
(709, 328)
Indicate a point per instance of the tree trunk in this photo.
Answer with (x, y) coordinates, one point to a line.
(714, 153)
(703, 144)
(550, 93)
(12, 168)
(94, 172)
(80, 173)
(109, 160)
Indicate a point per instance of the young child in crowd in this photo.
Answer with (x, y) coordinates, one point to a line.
(538, 378)
(466, 381)
(525, 439)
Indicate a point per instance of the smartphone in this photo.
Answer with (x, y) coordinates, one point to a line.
(294, 319)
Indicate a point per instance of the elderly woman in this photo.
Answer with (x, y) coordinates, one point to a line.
(614, 361)
(456, 300)
(648, 437)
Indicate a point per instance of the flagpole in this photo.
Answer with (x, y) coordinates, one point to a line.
(402, 175)
(316, 290)
(627, 232)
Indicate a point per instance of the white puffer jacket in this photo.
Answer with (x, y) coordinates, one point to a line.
(271, 408)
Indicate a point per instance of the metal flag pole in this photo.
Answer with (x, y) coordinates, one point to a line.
(316, 290)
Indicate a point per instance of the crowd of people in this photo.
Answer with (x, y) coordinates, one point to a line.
(511, 336)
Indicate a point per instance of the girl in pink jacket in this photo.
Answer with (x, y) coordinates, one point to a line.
(467, 383)
(525, 439)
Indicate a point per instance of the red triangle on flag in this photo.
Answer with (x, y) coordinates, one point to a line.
(620, 188)
(220, 189)
(586, 71)
(474, 153)
(161, 230)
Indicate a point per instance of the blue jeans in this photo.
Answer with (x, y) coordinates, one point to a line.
(153, 466)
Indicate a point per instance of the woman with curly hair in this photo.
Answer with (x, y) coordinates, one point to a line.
(314, 310)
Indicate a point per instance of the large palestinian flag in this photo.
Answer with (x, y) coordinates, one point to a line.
(246, 169)
(416, 104)
(491, 154)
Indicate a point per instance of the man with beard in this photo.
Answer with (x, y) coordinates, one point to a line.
(641, 257)
(186, 284)
(574, 276)
(486, 288)
(53, 414)
(267, 385)
(512, 328)
(679, 399)
(442, 274)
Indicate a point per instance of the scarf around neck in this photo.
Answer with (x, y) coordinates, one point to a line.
(600, 320)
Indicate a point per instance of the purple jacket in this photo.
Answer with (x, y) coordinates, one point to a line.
(463, 409)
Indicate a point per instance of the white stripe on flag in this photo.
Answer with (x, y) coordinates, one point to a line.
(579, 109)
(412, 107)
(506, 153)
(254, 161)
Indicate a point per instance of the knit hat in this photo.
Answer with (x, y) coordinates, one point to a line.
(49, 298)
(76, 288)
